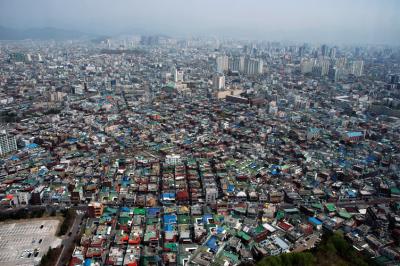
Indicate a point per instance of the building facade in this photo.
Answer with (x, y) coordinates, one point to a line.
(8, 143)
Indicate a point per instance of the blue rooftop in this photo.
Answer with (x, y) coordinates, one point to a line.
(169, 219)
(314, 221)
(220, 230)
(88, 262)
(168, 228)
(212, 243)
(72, 140)
(231, 188)
(206, 217)
(168, 196)
(125, 209)
(42, 172)
(354, 134)
(351, 193)
(31, 146)
(14, 158)
(153, 211)
(371, 158)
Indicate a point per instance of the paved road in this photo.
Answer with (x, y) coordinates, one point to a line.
(68, 241)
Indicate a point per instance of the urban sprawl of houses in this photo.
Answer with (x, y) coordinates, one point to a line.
(204, 152)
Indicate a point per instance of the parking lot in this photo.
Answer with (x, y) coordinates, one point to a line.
(25, 242)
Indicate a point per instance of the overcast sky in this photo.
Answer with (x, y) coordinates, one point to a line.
(341, 21)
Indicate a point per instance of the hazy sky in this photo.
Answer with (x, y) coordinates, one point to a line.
(350, 21)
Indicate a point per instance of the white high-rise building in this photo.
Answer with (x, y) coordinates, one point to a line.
(253, 66)
(233, 64)
(241, 63)
(306, 66)
(178, 75)
(222, 63)
(236, 64)
(340, 62)
(218, 81)
(324, 63)
(8, 143)
(357, 68)
(320, 68)
(332, 52)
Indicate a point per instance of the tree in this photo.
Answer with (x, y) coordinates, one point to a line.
(333, 249)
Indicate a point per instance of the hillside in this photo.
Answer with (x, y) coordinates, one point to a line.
(333, 250)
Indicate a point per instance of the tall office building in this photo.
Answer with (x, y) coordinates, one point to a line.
(357, 52)
(334, 74)
(332, 53)
(219, 81)
(324, 50)
(222, 63)
(8, 143)
(301, 51)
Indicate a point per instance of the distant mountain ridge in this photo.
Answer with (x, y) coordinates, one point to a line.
(39, 34)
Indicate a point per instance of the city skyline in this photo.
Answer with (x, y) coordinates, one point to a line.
(343, 22)
(199, 133)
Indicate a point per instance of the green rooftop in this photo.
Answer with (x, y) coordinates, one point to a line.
(280, 215)
(243, 235)
(317, 206)
(139, 211)
(259, 229)
(183, 219)
(330, 207)
(152, 221)
(110, 210)
(395, 191)
(344, 214)
(171, 246)
(231, 256)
